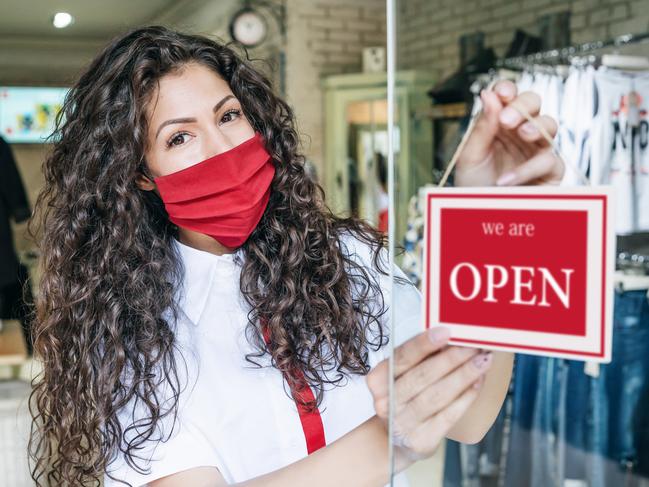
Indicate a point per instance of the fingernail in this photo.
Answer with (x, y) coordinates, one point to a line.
(506, 179)
(505, 90)
(530, 129)
(438, 334)
(483, 360)
(478, 384)
(484, 104)
(509, 116)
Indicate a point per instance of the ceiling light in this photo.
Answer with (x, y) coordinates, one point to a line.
(62, 19)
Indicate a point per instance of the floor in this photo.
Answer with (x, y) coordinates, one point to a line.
(428, 473)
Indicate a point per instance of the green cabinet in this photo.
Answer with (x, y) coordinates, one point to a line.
(356, 142)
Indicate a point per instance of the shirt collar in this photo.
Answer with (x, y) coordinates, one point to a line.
(200, 267)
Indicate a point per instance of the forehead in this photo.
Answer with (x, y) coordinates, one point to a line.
(180, 90)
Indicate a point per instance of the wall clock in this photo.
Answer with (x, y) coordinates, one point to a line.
(248, 27)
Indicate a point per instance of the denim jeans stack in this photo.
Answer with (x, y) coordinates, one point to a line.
(567, 428)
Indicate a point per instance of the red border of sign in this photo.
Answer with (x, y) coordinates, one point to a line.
(601, 353)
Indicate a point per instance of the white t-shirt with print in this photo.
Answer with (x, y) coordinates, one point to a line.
(618, 158)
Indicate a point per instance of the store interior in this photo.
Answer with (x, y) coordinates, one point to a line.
(563, 423)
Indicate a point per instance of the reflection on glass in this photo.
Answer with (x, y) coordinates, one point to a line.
(563, 422)
(367, 122)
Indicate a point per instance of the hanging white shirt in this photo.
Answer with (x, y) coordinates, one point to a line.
(577, 113)
(614, 149)
(233, 415)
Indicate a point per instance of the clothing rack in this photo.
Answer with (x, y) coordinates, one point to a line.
(634, 260)
(632, 263)
(568, 52)
(633, 252)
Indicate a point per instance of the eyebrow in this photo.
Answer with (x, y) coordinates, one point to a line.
(189, 120)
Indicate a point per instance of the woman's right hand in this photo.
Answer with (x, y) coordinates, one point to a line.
(434, 386)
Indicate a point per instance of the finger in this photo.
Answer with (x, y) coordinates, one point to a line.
(531, 133)
(527, 102)
(519, 149)
(485, 129)
(544, 166)
(438, 396)
(424, 439)
(406, 356)
(413, 351)
(431, 370)
(506, 90)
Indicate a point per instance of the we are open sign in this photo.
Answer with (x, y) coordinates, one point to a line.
(523, 269)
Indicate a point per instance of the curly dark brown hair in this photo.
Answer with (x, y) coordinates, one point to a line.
(109, 271)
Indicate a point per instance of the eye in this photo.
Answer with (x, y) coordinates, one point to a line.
(174, 138)
(227, 116)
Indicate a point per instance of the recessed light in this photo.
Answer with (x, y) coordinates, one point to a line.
(62, 19)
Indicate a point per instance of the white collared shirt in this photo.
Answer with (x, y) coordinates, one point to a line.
(233, 415)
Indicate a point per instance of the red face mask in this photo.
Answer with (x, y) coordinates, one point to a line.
(223, 196)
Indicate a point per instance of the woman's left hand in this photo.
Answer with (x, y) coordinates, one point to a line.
(504, 148)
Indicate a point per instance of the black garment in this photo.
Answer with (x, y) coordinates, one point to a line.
(13, 204)
(457, 88)
(15, 290)
(16, 303)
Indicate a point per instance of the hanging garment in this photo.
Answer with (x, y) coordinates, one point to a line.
(382, 205)
(577, 113)
(16, 303)
(525, 81)
(619, 152)
(413, 242)
(13, 205)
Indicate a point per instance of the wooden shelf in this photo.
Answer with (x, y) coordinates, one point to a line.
(13, 349)
(445, 110)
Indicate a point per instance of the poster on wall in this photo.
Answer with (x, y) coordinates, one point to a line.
(522, 269)
(27, 114)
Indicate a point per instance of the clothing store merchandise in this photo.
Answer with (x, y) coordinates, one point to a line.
(568, 428)
(523, 43)
(382, 205)
(16, 303)
(233, 415)
(13, 205)
(16, 297)
(620, 139)
(456, 88)
(577, 112)
(549, 88)
(413, 242)
(223, 196)
(603, 131)
(582, 428)
(627, 389)
(475, 465)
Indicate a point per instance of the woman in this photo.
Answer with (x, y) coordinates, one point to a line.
(203, 318)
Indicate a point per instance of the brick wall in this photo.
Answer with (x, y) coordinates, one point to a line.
(326, 37)
(428, 30)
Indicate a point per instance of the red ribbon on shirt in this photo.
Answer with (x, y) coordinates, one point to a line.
(311, 421)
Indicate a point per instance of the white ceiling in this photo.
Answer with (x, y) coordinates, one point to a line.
(93, 18)
(33, 51)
